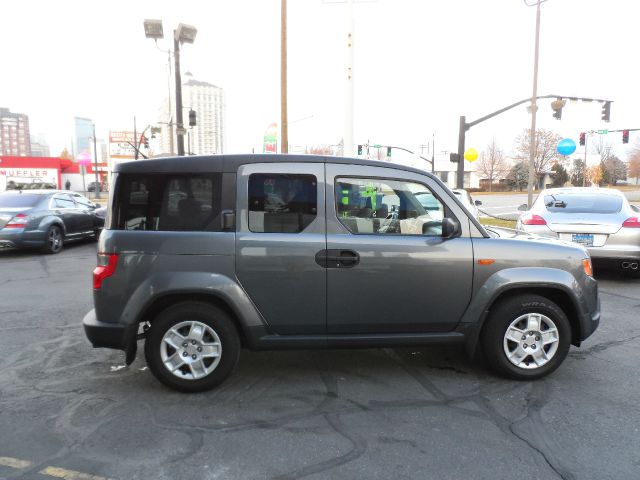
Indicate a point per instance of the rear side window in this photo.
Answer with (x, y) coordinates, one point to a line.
(167, 202)
(582, 203)
(23, 200)
(282, 203)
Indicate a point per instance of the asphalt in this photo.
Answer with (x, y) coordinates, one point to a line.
(70, 411)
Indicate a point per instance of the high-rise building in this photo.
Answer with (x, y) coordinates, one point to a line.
(83, 135)
(39, 146)
(207, 100)
(14, 134)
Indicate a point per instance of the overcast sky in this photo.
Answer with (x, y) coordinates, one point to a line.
(419, 65)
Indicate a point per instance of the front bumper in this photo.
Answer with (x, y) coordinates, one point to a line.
(108, 335)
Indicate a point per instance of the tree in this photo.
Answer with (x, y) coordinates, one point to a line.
(633, 165)
(492, 164)
(319, 150)
(577, 173)
(545, 153)
(518, 176)
(613, 170)
(65, 154)
(561, 176)
(594, 174)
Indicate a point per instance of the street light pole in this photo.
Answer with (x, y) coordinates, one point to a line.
(284, 117)
(534, 107)
(95, 163)
(179, 127)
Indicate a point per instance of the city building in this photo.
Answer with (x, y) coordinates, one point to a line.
(14, 134)
(83, 135)
(208, 135)
(39, 146)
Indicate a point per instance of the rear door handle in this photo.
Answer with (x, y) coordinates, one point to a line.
(337, 258)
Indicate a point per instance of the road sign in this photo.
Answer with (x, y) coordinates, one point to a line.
(603, 132)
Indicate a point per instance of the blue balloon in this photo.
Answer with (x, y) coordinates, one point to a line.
(566, 146)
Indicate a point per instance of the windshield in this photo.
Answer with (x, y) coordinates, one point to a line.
(582, 203)
(19, 201)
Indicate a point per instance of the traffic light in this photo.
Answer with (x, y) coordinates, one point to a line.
(557, 105)
(388, 151)
(625, 136)
(582, 138)
(145, 139)
(359, 149)
(606, 111)
(192, 118)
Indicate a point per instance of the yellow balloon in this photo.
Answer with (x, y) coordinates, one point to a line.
(471, 155)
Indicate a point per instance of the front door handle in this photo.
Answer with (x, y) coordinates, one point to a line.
(337, 258)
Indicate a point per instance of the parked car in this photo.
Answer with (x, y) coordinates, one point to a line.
(471, 204)
(93, 185)
(600, 219)
(199, 260)
(46, 219)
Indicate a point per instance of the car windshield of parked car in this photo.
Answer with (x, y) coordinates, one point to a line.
(19, 201)
(582, 203)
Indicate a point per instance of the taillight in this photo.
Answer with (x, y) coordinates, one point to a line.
(532, 219)
(19, 221)
(106, 267)
(633, 222)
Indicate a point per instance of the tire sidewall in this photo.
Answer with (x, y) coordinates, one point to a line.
(210, 315)
(500, 319)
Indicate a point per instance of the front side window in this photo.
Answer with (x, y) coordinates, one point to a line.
(282, 203)
(384, 207)
(168, 202)
(63, 201)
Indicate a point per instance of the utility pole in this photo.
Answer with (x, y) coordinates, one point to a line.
(135, 138)
(284, 120)
(179, 126)
(348, 117)
(534, 108)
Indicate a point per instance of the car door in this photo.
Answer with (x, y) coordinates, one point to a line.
(280, 229)
(65, 208)
(390, 270)
(85, 211)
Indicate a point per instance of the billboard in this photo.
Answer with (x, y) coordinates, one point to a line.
(121, 144)
(270, 142)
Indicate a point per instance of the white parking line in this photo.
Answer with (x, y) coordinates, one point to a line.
(14, 462)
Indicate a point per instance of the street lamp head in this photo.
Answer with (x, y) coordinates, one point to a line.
(153, 29)
(186, 33)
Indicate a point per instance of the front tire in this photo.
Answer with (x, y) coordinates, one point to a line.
(54, 240)
(526, 337)
(192, 347)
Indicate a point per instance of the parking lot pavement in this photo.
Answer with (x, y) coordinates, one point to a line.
(70, 411)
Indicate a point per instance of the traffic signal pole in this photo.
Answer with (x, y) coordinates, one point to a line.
(464, 126)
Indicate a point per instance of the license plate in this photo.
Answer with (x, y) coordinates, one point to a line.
(585, 239)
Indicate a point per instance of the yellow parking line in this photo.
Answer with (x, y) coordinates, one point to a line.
(14, 462)
(69, 474)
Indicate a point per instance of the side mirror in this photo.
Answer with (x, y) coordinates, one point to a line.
(523, 208)
(450, 227)
(228, 220)
(477, 202)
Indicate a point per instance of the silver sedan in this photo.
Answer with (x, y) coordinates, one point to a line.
(601, 219)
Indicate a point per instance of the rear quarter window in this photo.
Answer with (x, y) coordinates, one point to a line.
(167, 202)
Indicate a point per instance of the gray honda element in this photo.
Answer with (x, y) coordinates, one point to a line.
(202, 256)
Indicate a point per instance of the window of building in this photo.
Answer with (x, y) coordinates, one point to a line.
(383, 207)
(168, 202)
(282, 203)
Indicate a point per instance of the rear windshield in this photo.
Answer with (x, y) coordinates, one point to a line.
(23, 200)
(583, 203)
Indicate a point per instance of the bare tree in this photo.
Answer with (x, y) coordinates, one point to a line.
(492, 164)
(319, 150)
(633, 164)
(545, 152)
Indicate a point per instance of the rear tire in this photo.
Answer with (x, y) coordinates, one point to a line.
(54, 240)
(192, 346)
(526, 337)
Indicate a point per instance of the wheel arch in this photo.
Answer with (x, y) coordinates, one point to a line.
(554, 293)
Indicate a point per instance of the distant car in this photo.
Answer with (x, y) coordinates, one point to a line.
(46, 219)
(600, 219)
(467, 201)
(92, 187)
